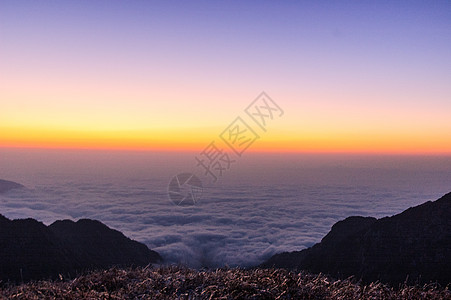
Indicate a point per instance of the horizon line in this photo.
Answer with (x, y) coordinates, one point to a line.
(256, 150)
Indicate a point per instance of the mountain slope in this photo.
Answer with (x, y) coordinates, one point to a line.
(102, 245)
(30, 250)
(413, 245)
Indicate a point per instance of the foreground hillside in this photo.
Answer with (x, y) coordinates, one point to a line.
(183, 283)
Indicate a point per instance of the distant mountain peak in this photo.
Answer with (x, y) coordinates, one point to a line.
(6, 185)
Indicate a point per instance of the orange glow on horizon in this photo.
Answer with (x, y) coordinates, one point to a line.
(184, 140)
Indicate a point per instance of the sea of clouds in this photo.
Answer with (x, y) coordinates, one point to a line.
(237, 222)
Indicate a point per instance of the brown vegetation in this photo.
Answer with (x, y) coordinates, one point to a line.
(184, 283)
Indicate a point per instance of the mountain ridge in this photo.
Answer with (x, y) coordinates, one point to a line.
(30, 250)
(413, 246)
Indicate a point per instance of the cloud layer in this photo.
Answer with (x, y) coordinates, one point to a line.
(267, 203)
(235, 225)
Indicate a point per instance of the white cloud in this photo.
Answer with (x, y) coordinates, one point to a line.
(231, 225)
(263, 206)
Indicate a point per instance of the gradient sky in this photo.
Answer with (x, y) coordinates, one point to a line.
(351, 76)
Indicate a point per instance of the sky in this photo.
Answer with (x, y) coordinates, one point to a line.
(350, 76)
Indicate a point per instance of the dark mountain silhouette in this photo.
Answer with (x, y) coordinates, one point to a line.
(6, 185)
(101, 245)
(414, 245)
(29, 250)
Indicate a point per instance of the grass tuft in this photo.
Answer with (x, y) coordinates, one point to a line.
(176, 282)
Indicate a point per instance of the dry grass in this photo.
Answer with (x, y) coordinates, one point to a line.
(182, 283)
